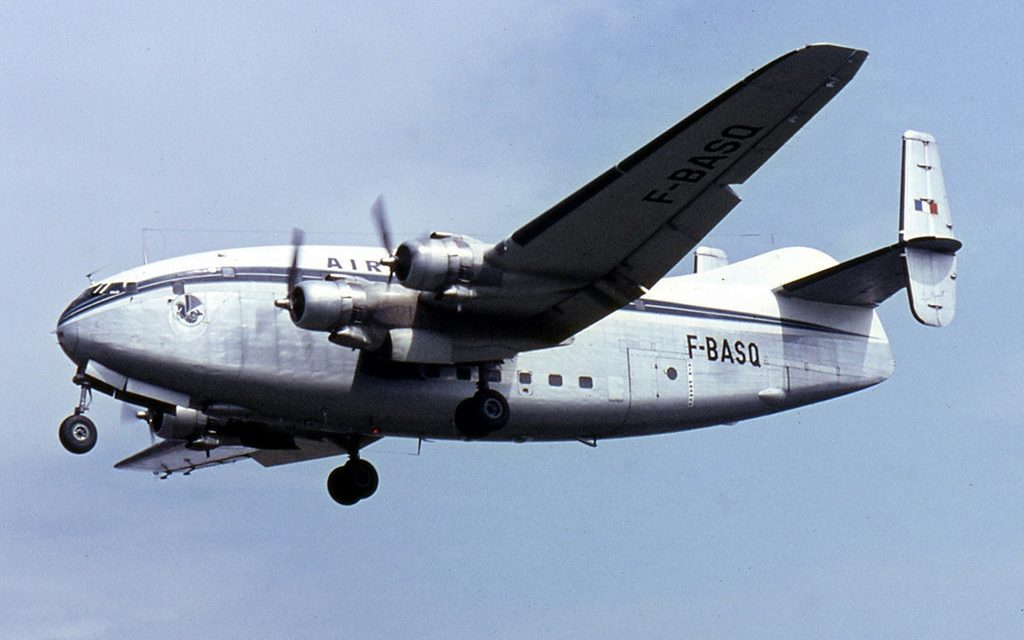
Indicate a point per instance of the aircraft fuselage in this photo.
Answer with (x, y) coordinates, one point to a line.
(202, 331)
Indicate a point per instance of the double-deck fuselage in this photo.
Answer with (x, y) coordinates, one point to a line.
(203, 332)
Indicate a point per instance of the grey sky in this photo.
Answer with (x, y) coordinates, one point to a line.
(892, 513)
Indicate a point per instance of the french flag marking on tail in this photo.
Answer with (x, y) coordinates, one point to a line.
(926, 204)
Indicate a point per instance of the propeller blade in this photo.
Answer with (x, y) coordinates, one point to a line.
(380, 217)
(293, 271)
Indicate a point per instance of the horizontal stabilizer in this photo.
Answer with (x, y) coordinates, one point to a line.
(867, 280)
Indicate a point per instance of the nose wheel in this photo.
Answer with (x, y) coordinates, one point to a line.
(78, 433)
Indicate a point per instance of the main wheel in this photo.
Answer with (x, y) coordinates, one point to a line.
(362, 477)
(340, 488)
(352, 482)
(485, 412)
(77, 433)
(491, 408)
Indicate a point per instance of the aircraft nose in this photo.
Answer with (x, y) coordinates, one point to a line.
(67, 336)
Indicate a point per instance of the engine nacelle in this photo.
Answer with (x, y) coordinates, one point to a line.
(326, 305)
(183, 424)
(439, 261)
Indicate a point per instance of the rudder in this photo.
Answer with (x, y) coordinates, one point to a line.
(926, 232)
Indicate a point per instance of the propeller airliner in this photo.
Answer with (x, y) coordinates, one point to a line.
(567, 329)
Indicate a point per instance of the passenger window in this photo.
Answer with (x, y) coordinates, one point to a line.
(463, 373)
(178, 288)
(586, 382)
(525, 377)
(227, 272)
(131, 287)
(555, 380)
(494, 375)
(431, 371)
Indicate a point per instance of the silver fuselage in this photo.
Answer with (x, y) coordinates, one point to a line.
(202, 331)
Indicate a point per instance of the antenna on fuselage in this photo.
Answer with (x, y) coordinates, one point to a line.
(89, 275)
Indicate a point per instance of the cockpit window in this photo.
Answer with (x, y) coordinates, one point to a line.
(104, 289)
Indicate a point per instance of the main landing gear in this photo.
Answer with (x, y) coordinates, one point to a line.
(354, 481)
(78, 433)
(483, 413)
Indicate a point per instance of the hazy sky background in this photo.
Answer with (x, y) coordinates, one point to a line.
(896, 512)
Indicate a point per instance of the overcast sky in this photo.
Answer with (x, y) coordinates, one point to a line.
(896, 512)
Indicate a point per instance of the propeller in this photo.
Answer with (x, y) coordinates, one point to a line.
(293, 271)
(380, 217)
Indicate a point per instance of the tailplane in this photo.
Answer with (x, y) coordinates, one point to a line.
(924, 259)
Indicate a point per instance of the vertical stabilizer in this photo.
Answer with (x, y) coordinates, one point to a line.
(926, 232)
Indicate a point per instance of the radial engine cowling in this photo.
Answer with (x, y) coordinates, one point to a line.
(326, 305)
(438, 262)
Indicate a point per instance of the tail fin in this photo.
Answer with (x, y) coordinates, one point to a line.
(924, 260)
(926, 232)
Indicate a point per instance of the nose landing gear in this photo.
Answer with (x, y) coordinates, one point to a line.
(78, 433)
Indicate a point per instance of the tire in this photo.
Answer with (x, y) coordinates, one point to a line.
(479, 416)
(491, 409)
(355, 481)
(78, 434)
(340, 488)
(362, 478)
(467, 422)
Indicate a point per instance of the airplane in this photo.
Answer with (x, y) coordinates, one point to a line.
(567, 329)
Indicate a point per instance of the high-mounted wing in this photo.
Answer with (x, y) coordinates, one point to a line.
(603, 245)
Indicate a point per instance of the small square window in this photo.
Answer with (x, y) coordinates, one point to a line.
(431, 371)
(525, 377)
(178, 288)
(586, 382)
(463, 373)
(227, 272)
(555, 380)
(494, 375)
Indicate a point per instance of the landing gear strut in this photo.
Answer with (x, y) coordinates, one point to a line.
(354, 481)
(78, 433)
(483, 413)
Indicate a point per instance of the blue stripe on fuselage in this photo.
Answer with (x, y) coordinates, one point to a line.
(279, 275)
